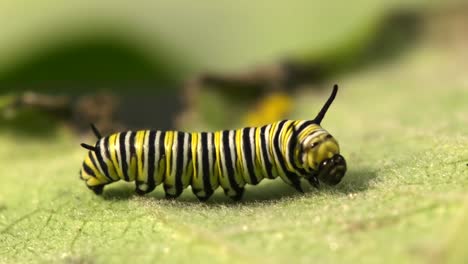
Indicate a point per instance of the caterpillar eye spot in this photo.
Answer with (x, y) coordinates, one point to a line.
(229, 159)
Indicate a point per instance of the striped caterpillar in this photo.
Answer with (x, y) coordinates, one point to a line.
(290, 149)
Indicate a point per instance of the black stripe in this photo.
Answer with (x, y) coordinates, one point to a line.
(162, 154)
(291, 176)
(143, 150)
(205, 162)
(88, 170)
(107, 152)
(229, 161)
(247, 150)
(266, 159)
(101, 162)
(179, 163)
(106, 145)
(151, 158)
(133, 150)
(306, 124)
(123, 155)
(93, 161)
(292, 147)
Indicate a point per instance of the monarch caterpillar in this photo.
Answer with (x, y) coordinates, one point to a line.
(290, 149)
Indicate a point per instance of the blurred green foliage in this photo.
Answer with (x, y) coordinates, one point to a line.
(82, 46)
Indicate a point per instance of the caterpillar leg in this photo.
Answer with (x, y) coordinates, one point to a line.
(98, 189)
(142, 188)
(235, 195)
(93, 183)
(314, 181)
(202, 195)
(295, 182)
(172, 192)
(297, 186)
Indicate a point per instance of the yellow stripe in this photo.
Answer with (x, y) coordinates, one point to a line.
(109, 163)
(101, 177)
(133, 166)
(297, 149)
(223, 177)
(308, 130)
(139, 145)
(85, 175)
(240, 163)
(90, 164)
(271, 150)
(194, 146)
(197, 180)
(217, 146)
(287, 136)
(168, 141)
(93, 182)
(258, 150)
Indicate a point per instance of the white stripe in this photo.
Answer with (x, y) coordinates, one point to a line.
(286, 148)
(268, 147)
(175, 144)
(98, 164)
(210, 156)
(104, 158)
(314, 134)
(146, 150)
(199, 157)
(185, 161)
(224, 172)
(157, 155)
(262, 158)
(252, 144)
(300, 123)
(117, 149)
(127, 153)
(232, 148)
(277, 164)
(103, 151)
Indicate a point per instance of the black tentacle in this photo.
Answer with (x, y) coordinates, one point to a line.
(325, 107)
(88, 147)
(95, 131)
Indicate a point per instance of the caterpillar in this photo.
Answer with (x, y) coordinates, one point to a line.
(290, 149)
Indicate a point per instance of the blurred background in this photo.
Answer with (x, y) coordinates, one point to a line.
(213, 65)
(401, 119)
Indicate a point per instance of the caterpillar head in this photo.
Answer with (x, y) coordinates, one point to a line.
(321, 156)
(320, 152)
(92, 176)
